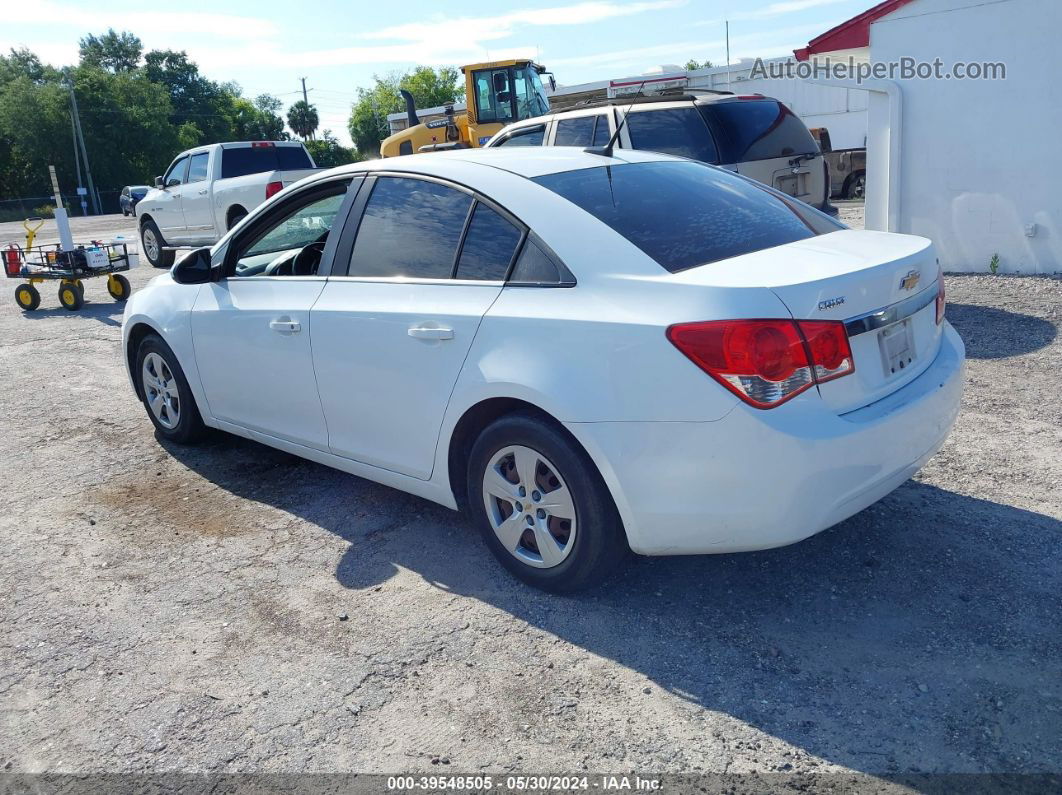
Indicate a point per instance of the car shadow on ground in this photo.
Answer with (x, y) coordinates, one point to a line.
(992, 333)
(919, 635)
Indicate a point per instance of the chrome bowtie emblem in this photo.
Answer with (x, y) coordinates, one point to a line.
(909, 281)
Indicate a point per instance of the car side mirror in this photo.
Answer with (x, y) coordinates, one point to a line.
(158, 182)
(552, 85)
(194, 268)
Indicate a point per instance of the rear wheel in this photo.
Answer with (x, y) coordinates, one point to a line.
(236, 215)
(166, 394)
(857, 187)
(541, 505)
(152, 242)
(27, 297)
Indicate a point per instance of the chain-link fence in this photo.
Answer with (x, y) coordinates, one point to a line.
(27, 206)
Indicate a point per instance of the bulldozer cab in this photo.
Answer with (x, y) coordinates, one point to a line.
(500, 93)
(497, 93)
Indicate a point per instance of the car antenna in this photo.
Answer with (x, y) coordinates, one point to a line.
(606, 150)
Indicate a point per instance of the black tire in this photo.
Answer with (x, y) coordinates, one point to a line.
(189, 427)
(857, 186)
(27, 297)
(599, 541)
(124, 289)
(71, 297)
(237, 215)
(151, 244)
(125, 213)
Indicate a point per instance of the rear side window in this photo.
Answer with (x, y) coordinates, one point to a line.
(410, 228)
(534, 267)
(685, 214)
(526, 136)
(757, 129)
(489, 246)
(678, 131)
(242, 160)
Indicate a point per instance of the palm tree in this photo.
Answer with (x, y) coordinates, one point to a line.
(302, 118)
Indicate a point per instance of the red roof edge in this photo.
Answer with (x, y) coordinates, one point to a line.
(851, 34)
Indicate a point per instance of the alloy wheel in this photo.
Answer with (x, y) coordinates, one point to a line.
(529, 506)
(160, 390)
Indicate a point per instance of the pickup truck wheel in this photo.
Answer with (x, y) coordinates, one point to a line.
(237, 215)
(151, 240)
(857, 186)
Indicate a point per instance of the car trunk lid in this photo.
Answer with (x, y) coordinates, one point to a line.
(882, 285)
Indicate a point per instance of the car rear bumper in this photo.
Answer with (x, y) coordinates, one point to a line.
(760, 479)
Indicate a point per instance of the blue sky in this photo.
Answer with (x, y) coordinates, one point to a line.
(267, 45)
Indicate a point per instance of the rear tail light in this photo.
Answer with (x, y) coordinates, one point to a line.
(766, 362)
(273, 188)
(940, 298)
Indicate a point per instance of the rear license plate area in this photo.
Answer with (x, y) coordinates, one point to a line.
(897, 347)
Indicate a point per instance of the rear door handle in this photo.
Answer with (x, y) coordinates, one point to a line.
(203, 192)
(286, 326)
(426, 333)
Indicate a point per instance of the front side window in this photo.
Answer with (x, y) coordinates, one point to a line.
(675, 131)
(410, 228)
(493, 95)
(197, 170)
(684, 214)
(291, 244)
(176, 174)
(489, 246)
(527, 136)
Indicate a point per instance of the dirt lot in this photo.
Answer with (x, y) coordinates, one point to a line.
(232, 608)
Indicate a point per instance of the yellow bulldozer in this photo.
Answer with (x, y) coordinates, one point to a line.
(498, 93)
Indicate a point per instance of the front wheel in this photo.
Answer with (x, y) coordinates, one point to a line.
(151, 241)
(71, 296)
(542, 507)
(118, 287)
(27, 297)
(857, 189)
(166, 394)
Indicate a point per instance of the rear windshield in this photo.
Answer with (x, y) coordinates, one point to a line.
(684, 214)
(757, 129)
(241, 160)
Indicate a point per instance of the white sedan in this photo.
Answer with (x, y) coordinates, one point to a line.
(590, 354)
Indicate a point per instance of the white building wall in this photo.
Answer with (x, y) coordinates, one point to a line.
(980, 160)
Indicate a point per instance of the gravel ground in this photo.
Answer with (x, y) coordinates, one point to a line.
(233, 608)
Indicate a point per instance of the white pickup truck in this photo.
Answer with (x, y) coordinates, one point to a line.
(207, 190)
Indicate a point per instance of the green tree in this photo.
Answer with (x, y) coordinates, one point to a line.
(193, 97)
(329, 153)
(258, 120)
(302, 118)
(429, 87)
(692, 64)
(115, 52)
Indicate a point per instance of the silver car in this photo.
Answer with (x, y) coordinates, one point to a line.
(756, 136)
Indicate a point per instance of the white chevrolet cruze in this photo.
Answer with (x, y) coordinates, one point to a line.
(590, 353)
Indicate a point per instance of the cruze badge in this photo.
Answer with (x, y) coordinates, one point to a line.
(830, 303)
(909, 281)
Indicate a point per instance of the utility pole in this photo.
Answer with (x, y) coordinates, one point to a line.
(84, 152)
(304, 97)
(77, 167)
(728, 54)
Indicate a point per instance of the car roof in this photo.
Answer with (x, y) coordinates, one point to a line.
(697, 96)
(529, 161)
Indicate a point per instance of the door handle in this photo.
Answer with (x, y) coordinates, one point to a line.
(286, 326)
(203, 192)
(426, 333)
